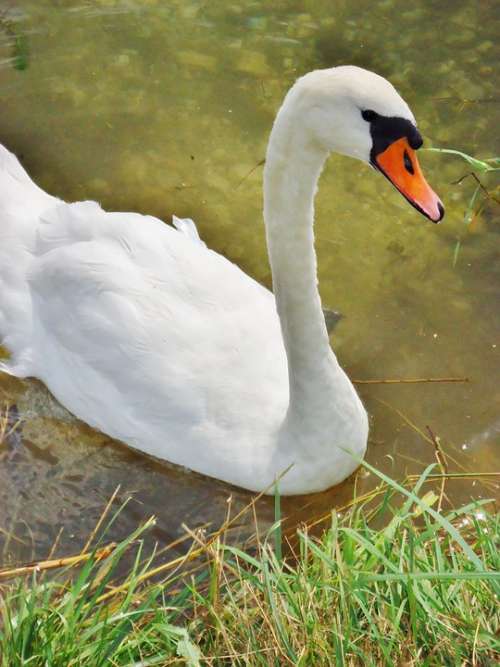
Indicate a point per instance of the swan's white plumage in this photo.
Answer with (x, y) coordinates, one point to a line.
(164, 377)
(144, 333)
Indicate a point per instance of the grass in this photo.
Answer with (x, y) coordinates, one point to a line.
(419, 589)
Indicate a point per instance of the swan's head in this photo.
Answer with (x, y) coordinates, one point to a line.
(357, 113)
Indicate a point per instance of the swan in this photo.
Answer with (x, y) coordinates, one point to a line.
(147, 335)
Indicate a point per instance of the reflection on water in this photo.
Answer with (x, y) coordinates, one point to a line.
(166, 107)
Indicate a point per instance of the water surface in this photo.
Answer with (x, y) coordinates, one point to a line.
(166, 106)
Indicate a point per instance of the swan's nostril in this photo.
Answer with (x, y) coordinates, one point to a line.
(408, 163)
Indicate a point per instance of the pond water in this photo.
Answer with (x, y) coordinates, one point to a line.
(165, 106)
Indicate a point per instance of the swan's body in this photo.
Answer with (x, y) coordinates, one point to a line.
(147, 335)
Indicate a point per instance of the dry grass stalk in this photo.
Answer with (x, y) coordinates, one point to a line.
(69, 561)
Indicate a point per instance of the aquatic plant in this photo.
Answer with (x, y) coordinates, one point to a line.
(18, 40)
(480, 195)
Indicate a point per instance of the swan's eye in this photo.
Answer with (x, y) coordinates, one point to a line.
(368, 115)
(408, 163)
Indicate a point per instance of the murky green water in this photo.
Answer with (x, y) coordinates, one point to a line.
(165, 106)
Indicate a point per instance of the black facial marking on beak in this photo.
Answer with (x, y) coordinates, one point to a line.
(394, 142)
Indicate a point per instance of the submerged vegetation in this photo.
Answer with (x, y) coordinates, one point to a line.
(422, 588)
(18, 40)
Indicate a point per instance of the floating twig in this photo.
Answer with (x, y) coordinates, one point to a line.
(455, 475)
(411, 380)
(259, 164)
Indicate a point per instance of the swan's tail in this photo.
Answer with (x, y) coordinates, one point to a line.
(16, 185)
(21, 204)
(11, 167)
(187, 227)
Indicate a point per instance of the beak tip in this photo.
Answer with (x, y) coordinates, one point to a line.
(441, 213)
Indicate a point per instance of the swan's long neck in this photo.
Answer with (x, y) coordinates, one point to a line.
(291, 174)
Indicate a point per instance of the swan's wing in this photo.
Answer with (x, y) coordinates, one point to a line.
(133, 322)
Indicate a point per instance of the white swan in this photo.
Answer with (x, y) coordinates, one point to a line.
(147, 335)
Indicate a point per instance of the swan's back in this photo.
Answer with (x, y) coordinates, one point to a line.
(197, 357)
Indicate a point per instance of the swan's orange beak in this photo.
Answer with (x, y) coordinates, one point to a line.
(400, 165)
